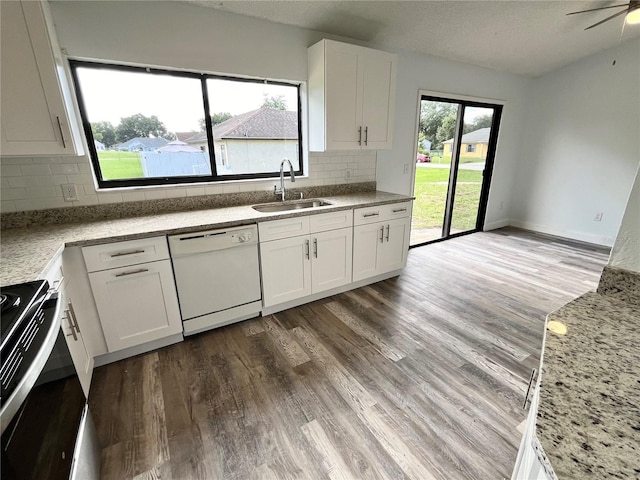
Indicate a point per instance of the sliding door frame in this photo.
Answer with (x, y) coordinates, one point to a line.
(487, 174)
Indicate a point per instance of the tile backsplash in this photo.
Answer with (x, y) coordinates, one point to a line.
(34, 183)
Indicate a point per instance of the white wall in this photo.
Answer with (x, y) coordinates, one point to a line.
(418, 72)
(626, 250)
(582, 147)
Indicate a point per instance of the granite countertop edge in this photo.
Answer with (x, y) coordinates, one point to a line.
(586, 390)
(27, 252)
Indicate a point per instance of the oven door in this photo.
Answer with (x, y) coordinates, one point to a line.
(40, 440)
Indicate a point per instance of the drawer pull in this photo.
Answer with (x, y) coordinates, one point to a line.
(73, 331)
(371, 214)
(388, 231)
(306, 246)
(72, 316)
(526, 395)
(133, 272)
(122, 254)
(397, 210)
(382, 234)
(315, 247)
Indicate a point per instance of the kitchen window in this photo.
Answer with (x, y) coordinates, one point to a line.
(148, 126)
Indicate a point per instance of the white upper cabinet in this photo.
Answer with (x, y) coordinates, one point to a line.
(351, 95)
(37, 116)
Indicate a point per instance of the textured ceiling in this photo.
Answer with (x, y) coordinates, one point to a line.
(523, 37)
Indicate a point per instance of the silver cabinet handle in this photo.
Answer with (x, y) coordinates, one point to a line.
(315, 247)
(388, 231)
(526, 395)
(73, 331)
(306, 244)
(366, 135)
(371, 214)
(64, 144)
(359, 135)
(72, 315)
(382, 234)
(122, 254)
(133, 272)
(397, 210)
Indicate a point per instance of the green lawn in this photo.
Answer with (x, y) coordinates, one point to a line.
(446, 159)
(431, 194)
(120, 165)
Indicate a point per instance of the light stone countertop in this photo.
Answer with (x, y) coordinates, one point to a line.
(589, 411)
(26, 252)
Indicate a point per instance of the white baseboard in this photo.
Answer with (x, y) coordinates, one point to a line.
(327, 293)
(561, 232)
(495, 225)
(137, 350)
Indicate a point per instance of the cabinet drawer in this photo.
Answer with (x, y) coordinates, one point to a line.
(379, 213)
(285, 228)
(362, 216)
(123, 254)
(397, 210)
(330, 221)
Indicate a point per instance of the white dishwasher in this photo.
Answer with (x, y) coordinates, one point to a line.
(217, 276)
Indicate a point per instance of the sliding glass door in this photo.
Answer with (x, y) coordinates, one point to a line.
(456, 148)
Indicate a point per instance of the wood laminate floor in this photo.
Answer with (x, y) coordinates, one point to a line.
(418, 377)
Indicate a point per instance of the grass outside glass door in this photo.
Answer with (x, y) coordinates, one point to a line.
(456, 147)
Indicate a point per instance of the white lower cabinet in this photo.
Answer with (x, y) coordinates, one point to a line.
(70, 325)
(286, 270)
(302, 265)
(380, 247)
(136, 304)
(134, 291)
(331, 257)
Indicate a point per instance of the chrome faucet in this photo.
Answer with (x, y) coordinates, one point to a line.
(282, 190)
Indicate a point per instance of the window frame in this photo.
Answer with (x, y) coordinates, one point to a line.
(177, 180)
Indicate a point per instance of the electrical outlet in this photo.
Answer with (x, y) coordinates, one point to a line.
(69, 192)
(347, 174)
(598, 217)
(406, 169)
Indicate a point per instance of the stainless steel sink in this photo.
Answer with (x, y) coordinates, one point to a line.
(286, 206)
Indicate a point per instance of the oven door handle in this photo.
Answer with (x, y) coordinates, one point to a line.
(14, 402)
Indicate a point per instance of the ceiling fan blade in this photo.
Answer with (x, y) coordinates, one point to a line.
(607, 19)
(600, 8)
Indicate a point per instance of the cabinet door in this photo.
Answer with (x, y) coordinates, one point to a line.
(378, 99)
(392, 253)
(331, 259)
(136, 304)
(343, 95)
(367, 239)
(286, 269)
(34, 115)
(82, 360)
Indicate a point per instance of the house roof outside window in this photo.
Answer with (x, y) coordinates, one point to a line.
(261, 124)
(477, 136)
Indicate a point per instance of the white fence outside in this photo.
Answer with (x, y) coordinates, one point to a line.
(174, 164)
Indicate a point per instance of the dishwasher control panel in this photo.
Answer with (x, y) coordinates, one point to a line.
(212, 240)
(241, 237)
